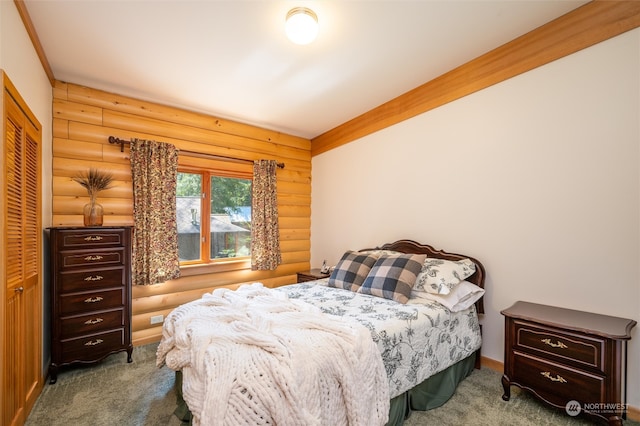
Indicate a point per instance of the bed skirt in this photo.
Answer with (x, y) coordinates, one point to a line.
(431, 393)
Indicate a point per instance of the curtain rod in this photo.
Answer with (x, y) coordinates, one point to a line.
(113, 139)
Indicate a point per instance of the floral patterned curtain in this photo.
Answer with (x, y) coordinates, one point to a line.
(154, 170)
(265, 233)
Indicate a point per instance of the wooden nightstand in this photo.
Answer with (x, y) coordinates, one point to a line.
(565, 356)
(312, 275)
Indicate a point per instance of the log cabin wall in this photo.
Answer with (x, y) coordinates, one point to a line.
(83, 120)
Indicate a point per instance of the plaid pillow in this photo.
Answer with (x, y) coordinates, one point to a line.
(351, 271)
(393, 276)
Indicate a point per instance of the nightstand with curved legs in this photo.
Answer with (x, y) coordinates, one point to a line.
(571, 360)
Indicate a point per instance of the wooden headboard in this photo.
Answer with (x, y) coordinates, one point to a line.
(409, 246)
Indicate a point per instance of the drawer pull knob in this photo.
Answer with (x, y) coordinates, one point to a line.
(93, 238)
(94, 278)
(555, 345)
(558, 377)
(93, 299)
(90, 258)
(92, 343)
(95, 321)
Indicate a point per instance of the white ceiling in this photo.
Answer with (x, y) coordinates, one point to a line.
(231, 59)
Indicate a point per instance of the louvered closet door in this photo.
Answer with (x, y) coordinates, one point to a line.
(22, 346)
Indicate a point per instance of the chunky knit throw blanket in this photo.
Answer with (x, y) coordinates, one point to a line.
(255, 357)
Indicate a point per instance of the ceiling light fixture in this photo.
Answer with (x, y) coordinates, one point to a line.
(301, 25)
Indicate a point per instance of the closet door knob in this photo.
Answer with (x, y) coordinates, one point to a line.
(19, 289)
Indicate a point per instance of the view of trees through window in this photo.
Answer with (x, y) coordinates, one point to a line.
(213, 215)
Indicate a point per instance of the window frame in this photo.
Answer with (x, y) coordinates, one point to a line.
(205, 263)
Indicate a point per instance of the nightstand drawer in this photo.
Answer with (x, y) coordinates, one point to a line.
(91, 323)
(91, 279)
(578, 350)
(89, 302)
(556, 383)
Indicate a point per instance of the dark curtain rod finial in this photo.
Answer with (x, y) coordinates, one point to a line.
(113, 139)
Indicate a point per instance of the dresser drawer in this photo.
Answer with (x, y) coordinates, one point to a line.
(91, 323)
(94, 301)
(91, 258)
(88, 280)
(91, 347)
(83, 238)
(578, 350)
(557, 383)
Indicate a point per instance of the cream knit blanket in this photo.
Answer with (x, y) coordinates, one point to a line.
(255, 357)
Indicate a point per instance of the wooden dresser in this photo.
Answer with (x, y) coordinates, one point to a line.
(572, 360)
(90, 295)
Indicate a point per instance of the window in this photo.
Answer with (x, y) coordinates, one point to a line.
(213, 215)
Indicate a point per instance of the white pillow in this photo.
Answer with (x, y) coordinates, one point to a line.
(440, 276)
(459, 298)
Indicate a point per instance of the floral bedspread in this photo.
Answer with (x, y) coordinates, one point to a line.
(416, 340)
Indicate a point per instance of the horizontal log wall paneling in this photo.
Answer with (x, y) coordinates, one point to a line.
(84, 118)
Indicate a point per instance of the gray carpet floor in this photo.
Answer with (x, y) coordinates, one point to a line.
(114, 392)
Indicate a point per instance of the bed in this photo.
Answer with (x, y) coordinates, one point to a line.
(426, 339)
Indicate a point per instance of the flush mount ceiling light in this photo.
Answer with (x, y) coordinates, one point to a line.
(301, 25)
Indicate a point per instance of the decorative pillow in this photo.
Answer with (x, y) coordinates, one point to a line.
(393, 276)
(439, 276)
(460, 298)
(351, 270)
(379, 252)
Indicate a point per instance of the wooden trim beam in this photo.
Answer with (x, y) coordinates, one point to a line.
(585, 26)
(33, 35)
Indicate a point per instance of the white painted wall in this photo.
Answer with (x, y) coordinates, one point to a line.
(538, 177)
(20, 62)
